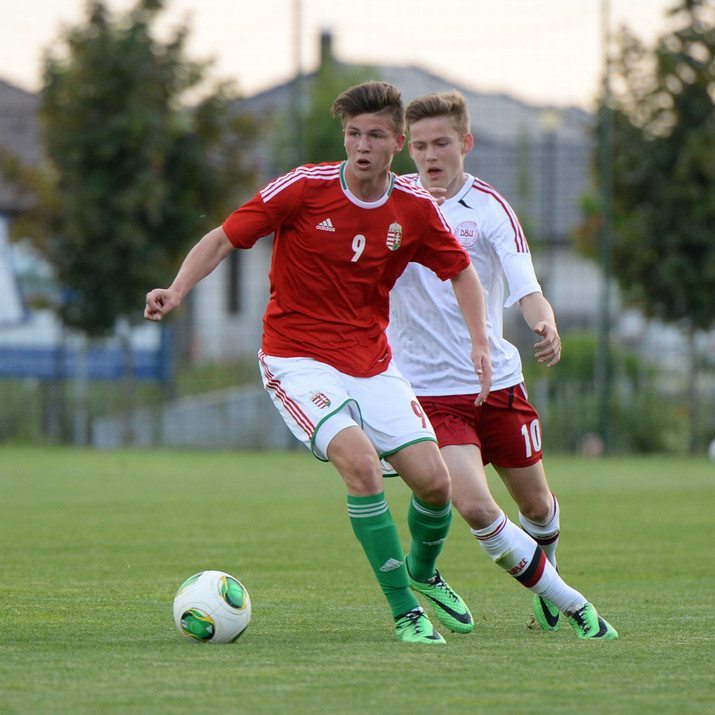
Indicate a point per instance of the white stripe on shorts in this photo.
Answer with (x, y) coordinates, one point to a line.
(272, 383)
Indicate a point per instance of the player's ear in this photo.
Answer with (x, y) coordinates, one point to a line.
(468, 143)
(400, 142)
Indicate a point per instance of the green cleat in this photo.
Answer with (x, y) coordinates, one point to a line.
(588, 624)
(448, 606)
(415, 627)
(546, 616)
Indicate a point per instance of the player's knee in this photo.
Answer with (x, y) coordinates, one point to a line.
(537, 510)
(436, 489)
(436, 494)
(362, 474)
(477, 513)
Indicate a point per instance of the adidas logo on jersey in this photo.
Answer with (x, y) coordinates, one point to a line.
(326, 225)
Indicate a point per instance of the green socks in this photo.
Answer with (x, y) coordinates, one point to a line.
(375, 529)
(429, 526)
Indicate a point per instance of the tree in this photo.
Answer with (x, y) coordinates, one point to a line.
(140, 173)
(662, 113)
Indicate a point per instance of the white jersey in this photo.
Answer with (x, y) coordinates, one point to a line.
(429, 338)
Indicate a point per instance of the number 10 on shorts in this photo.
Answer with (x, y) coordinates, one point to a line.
(532, 437)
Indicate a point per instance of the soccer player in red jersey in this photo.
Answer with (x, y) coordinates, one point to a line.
(432, 348)
(344, 232)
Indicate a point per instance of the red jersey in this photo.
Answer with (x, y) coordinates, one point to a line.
(335, 259)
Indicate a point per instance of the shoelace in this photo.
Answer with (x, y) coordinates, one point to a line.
(580, 620)
(440, 583)
(414, 618)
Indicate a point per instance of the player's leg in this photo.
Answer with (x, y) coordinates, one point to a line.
(313, 400)
(505, 543)
(404, 437)
(539, 517)
(351, 453)
(511, 548)
(511, 432)
(354, 456)
(430, 510)
(396, 425)
(498, 536)
(429, 517)
(510, 429)
(538, 506)
(529, 488)
(470, 491)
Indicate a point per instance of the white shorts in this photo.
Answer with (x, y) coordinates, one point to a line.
(317, 401)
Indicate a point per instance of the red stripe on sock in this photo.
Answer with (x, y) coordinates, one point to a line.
(538, 572)
(499, 528)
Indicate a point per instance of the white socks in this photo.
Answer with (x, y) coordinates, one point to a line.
(519, 555)
(545, 534)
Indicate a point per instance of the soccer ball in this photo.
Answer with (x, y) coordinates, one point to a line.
(212, 606)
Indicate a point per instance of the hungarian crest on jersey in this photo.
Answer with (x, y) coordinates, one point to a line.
(320, 399)
(394, 236)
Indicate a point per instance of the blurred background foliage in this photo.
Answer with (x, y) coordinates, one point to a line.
(144, 152)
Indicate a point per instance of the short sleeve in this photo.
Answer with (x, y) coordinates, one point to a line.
(265, 212)
(440, 251)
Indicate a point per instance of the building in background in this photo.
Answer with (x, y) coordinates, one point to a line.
(19, 137)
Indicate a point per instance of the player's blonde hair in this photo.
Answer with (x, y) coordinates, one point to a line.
(371, 98)
(440, 104)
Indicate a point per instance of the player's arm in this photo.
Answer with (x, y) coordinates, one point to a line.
(508, 240)
(199, 262)
(468, 290)
(539, 316)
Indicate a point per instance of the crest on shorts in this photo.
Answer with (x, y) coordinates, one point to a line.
(394, 236)
(320, 399)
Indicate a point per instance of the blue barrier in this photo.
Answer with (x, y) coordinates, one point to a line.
(103, 363)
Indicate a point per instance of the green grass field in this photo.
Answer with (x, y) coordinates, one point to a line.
(95, 544)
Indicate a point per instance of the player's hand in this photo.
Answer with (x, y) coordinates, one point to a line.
(438, 194)
(159, 302)
(547, 350)
(483, 368)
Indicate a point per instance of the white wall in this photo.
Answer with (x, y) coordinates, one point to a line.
(572, 284)
(11, 306)
(221, 336)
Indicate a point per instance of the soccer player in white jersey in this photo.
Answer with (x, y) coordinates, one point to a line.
(431, 347)
(344, 232)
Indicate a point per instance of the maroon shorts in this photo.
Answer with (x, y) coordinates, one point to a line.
(506, 427)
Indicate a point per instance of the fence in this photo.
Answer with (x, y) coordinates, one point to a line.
(239, 418)
(650, 412)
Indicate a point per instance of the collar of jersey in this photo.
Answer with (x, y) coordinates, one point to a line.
(360, 202)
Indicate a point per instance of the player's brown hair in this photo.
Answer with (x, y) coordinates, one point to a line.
(440, 104)
(371, 98)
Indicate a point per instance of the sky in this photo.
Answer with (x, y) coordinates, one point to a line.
(540, 51)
